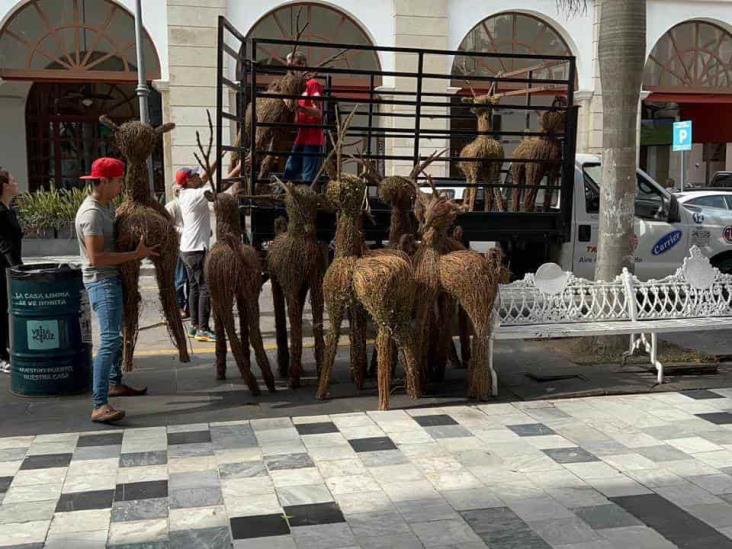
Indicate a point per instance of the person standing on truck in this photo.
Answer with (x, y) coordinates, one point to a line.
(94, 225)
(11, 239)
(304, 161)
(194, 244)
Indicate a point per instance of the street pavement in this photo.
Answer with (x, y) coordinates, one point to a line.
(632, 471)
(200, 463)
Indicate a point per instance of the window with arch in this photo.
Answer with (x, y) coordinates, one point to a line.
(510, 32)
(324, 24)
(73, 39)
(693, 55)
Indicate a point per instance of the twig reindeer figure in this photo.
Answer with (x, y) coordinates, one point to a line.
(233, 273)
(467, 277)
(546, 154)
(296, 265)
(487, 149)
(141, 216)
(381, 284)
(273, 110)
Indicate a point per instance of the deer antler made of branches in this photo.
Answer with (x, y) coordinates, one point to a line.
(204, 159)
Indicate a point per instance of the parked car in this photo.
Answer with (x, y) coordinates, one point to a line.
(707, 198)
(721, 180)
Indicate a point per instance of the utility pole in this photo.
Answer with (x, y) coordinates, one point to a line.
(143, 91)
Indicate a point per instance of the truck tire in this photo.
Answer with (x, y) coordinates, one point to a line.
(723, 263)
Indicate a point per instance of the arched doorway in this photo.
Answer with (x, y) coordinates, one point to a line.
(327, 25)
(508, 32)
(689, 76)
(322, 24)
(80, 56)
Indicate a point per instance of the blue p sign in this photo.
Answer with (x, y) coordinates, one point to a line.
(682, 136)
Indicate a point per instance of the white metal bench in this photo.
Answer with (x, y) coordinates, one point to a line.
(552, 303)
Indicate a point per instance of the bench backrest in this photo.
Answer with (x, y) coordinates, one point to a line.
(551, 295)
(696, 289)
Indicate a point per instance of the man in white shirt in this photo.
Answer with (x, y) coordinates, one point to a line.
(194, 243)
(181, 277)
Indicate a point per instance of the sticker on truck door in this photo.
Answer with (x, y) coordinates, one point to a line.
(666, 242)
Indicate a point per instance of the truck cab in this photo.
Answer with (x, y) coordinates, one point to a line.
(664, 230)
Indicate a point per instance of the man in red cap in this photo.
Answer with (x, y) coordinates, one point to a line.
(95, 232)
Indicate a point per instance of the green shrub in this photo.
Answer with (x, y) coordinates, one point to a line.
(53, 210)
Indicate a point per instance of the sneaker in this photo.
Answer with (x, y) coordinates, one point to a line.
(192, 332)
(4, 366)
(206, 335)
(106, 414)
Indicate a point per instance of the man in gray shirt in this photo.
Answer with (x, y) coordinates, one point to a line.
(95, 231)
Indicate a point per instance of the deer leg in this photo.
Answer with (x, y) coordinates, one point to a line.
(130, 274)
(495, 177)
(479, 385)
(243, 327)
(226, 317)
(405, 340)
(165, 274)
(534, 175)
(250, 305)
(384, 347)
(266, 166)
(316, 304)
(220, 346)
(294, 312)
(336, 310)
(358, 324)
(283, 353)
(518, 178)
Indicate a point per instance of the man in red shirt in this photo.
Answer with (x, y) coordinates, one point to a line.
(309, 140)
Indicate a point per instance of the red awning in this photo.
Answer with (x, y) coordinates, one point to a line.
(682, 98)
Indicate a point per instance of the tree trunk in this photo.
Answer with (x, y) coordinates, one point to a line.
(621, 52)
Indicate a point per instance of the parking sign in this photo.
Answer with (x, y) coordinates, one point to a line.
(682, 136)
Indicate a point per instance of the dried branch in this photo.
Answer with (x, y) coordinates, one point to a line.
(204, 160)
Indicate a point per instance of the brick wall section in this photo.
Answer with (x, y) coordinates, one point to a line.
(420, 24)
(192, 32)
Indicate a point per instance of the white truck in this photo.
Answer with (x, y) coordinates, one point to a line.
(664, 229)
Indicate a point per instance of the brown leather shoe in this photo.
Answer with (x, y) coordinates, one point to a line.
(106, 414)
(126, 391)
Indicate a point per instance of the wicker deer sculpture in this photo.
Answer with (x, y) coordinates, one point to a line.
(233, 272)
(488, 152)
(358, 282)
(141, 216)
(296, 264)
(544, 155)
(465, 276)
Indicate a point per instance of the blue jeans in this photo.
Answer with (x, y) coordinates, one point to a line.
(303, 168)
(105, 297)
(181, 284)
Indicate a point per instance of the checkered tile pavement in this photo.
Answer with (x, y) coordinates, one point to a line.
(641, 471)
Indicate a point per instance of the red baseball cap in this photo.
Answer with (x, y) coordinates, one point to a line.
(106, 167)
(183, 175)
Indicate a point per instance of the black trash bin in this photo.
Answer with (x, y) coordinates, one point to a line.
(50, 330)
